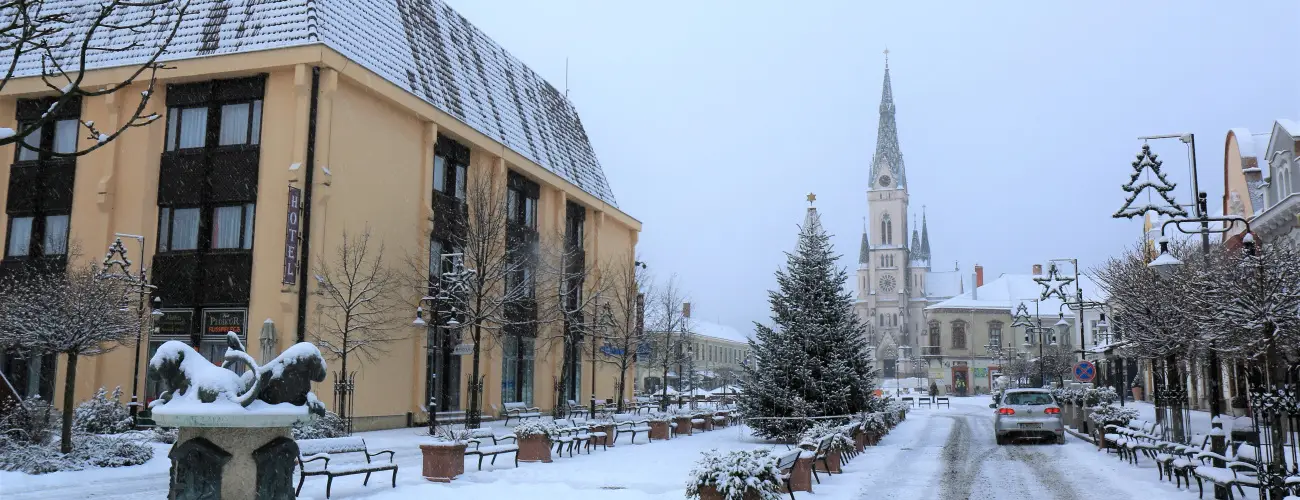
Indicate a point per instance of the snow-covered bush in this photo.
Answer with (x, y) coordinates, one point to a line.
(102, 414)
(328, 426)
(165, 435)
(1111, 414)
(659, 417)
(33, 421)
(88, 450)
(820, 430)
(447, 434)
(873, 423)
(1105, 395)
(534, 428)
(735, 473)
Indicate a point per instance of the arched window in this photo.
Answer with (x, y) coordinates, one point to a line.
(886, 229)
(958, 334)
(995, 333)
(933, 345)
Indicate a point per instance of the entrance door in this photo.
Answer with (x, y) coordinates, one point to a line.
(960, 382)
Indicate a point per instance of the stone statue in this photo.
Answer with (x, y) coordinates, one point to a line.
(285, 379)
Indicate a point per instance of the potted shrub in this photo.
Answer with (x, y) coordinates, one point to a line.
(1108, 414)
(534, 441)
(873, 429)
(1239, 405)
(1137, 391)
(737, 475)
(660, 427)
(444, 458)
(682, 423)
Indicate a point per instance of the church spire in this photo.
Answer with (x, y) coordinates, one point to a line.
(888, 158)
(914, 250)
(864, 252)
(925, 237)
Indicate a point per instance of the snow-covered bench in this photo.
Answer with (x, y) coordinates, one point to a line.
(942, 401)
(476, 446)
(785, 467)
(1176, 460)
(519, 411)
(571, 435)
(1241, 469)
(624, 422)
(311, 450)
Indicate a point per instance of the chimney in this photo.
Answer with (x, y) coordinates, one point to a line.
(979, 275)
(1038, 269)
(686, 309)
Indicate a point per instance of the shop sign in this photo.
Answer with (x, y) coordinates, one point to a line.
(220, 321)
(175, 323)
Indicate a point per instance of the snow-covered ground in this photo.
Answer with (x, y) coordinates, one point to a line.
(936, 453)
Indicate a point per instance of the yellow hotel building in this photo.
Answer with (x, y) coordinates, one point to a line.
(376, 114)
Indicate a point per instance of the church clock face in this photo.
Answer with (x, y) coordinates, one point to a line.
(885, 180)
(887, 284)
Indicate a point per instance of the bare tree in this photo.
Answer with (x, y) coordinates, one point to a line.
(73, 313)
(68, 41)
(1057, 362)
(497, 292)
(668, 333)
(569, 289)
(358, 306)
(622, 319)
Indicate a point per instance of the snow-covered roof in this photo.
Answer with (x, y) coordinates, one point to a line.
(1009, 290)
(1290, 126)
(717, 331)
(943, 284)
(424, 47)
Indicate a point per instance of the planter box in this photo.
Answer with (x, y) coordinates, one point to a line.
(859, 441)
(800, 475)
(832, 464)
(443, 462)
(682, 426)
(870, 438)
(660, 430)
(708, 492)
(535, 449)
(700, 424)
(608, 429)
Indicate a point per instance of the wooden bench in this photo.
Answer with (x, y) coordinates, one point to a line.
(785, 467)
(311, 450)
(822, 454)
(911, 401)
(475, 446)
(519, 411)
(625, 422)
(922, 402)
(1176, 461)
(570, 434)
(942, 401)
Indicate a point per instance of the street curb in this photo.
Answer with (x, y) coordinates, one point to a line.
(1080, 435)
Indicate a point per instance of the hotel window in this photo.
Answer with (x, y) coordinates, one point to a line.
(33, 141)
(20, 237)
(241, 123)
(178, 229)
(55, 241)
(450, 167)
(187, 127)
(232, 227)
(65, 136)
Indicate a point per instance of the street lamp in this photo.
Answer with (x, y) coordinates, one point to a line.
(1165, 264)
(1021, 319)
(117, 266)
(442, 317)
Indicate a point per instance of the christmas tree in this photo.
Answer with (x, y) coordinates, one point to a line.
(1146, 161)
(814, 360)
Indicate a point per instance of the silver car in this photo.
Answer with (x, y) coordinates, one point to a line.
(1028, 414)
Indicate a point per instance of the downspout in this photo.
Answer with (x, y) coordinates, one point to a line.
(305, 252)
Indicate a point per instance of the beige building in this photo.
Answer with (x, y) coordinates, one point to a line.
(374, 118)
(963, 334)
(716, 355)
(895, 281)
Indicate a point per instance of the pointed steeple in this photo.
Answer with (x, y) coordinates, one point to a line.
(864, 252)
(888, 158)
(914, 250)
(925, 237)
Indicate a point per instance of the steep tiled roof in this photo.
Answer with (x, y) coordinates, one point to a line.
(422, 46)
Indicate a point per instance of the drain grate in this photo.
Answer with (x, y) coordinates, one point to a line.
(612, 488)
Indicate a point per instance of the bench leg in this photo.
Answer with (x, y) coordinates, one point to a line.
(329, 481)
(494, 460)
(815, 475)
(480, 462)
(394, 478)
(298, 491)
(366, 482)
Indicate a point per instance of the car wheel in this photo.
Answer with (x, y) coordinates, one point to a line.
(1060, 439)
(999, 440)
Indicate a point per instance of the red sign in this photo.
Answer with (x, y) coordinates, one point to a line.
(1085, 371)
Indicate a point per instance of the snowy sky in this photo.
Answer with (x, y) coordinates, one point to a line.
(713, 120)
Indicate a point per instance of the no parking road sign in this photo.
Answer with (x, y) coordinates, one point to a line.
(1085, 371)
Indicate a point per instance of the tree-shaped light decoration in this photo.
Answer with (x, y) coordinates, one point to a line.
(1054, 283)
(1146, 160)
(1021, 318)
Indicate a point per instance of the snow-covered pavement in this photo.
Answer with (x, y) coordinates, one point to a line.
(936, 453)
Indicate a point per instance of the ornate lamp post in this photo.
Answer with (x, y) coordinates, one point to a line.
(1021, 319)
(443, 314)
(117, 266)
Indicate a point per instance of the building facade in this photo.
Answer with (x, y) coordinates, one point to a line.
(895, 281)
(276, 144)
(969, 337)
(716, 355)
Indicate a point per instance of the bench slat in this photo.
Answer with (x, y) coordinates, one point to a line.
(331, 445)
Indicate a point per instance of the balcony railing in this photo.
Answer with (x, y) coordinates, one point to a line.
(930, 351)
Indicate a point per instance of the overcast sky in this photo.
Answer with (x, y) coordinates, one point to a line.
(1017, 121)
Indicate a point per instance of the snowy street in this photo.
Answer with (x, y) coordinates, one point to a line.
(936, 453)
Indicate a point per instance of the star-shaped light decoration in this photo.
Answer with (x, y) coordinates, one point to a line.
(1054, 283)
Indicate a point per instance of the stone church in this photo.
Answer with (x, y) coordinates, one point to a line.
(895, 280)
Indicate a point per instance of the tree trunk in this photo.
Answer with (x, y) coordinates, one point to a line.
(475, 414)
(663, 400)
(339, 390)
(1276, 370)
(562, 383)
(69, 388)
(622, 381)
(1174, 378)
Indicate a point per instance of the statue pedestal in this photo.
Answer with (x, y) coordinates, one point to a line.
(233, 463)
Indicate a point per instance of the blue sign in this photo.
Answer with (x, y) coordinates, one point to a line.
(1084, 371)
(610, 350)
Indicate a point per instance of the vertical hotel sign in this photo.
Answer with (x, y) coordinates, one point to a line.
(291, 228)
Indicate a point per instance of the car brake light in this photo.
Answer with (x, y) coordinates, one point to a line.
(1006, 411)
(1052, 411)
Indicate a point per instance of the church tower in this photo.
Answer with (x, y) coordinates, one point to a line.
(891, 272)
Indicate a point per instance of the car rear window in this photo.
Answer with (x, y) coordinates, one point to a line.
(1029, 398)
